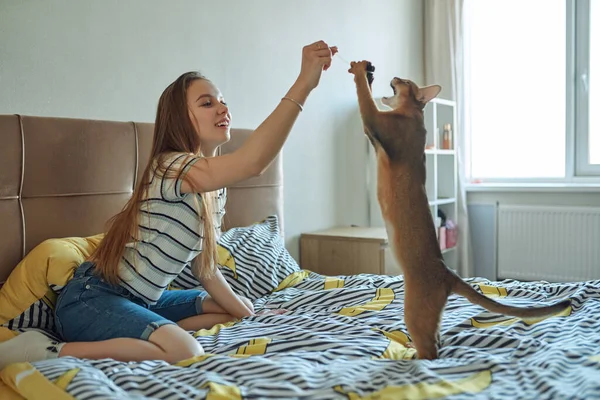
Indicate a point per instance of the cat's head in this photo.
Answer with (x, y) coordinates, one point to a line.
(408, 94)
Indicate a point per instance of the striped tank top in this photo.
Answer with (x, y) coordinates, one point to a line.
(170, 232)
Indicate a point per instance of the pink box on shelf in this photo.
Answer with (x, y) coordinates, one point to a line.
(451, 234)
(442, 237)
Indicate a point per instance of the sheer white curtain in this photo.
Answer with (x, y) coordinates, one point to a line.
(444, 54)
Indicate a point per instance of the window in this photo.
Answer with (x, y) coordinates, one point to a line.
(530, 69)
(593, 137)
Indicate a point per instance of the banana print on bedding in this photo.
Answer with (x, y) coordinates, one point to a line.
(191, 361)
(65, 379)
(225, 259)
(399, 346)
(333, 283)
(254, 347)
(219, 391)
(492, 291)
(292, 280)
(214, 330)
(382, 299)
(474, 383)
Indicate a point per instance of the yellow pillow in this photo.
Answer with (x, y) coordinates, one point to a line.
(52, 262)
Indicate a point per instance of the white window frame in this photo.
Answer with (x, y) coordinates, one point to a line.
(581, 44)
(578, 170)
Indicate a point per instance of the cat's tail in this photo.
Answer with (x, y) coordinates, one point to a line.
(462, 288)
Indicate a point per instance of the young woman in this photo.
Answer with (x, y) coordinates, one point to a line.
(116, 305)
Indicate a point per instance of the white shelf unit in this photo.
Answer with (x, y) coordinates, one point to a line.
(442, 166)
(442, 169)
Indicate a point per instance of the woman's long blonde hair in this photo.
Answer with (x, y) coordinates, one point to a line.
(173, 132)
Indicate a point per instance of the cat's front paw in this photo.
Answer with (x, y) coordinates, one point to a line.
(358, 67)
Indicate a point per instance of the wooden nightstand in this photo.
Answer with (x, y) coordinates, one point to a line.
(347, 251)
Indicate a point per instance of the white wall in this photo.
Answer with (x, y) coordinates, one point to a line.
(111, 60)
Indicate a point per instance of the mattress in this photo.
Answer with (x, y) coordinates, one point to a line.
(344, 338)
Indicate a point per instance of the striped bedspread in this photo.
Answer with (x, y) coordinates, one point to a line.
(344, 338)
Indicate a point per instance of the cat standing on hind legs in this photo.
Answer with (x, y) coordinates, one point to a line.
(399, 139)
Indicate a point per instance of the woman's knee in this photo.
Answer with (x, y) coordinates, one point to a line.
(176, 343)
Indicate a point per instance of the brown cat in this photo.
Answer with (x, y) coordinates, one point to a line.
(399, 137)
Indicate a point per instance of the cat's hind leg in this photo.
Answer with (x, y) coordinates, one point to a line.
(422, 317)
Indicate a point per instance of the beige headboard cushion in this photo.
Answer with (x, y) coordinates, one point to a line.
(63, 177)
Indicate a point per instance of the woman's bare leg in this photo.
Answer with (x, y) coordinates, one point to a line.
(177, 344)
(169, 343)
(204, 321)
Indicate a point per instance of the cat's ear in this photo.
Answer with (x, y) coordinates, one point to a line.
(428, 92)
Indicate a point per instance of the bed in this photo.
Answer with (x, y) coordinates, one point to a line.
(342, 337)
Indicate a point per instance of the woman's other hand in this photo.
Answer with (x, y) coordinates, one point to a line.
(316, 58)
(248, 303)
(268, 311)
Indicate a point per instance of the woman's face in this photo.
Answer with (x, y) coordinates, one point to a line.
(209, 115)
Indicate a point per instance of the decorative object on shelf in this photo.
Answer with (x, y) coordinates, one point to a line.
(451, 234)
(446, 231)
(441, 228)
(442, 237)
(447, 137)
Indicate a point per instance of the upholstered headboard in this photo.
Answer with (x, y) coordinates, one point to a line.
(63, 177)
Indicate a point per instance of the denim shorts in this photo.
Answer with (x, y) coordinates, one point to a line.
(90, 309)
